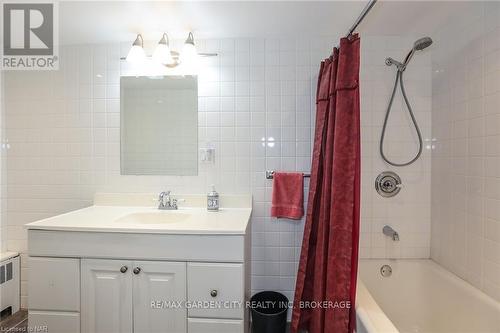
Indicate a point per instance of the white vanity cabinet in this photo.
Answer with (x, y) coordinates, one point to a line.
(109, 286)
(123, 266)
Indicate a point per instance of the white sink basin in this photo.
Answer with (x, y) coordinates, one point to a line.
(163, 217)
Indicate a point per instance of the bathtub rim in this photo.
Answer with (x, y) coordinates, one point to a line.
(369, 312)
(459, 281)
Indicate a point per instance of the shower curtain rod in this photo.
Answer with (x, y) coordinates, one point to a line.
(361, 16)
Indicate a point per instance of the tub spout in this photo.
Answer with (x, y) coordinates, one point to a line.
(388, 231)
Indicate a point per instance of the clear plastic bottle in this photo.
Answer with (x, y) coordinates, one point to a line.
(213, 200)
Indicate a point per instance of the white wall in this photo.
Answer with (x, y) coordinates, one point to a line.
(408, 212)
(466, 161)
(64, 131)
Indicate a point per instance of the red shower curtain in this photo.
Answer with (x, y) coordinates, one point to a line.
(326, 280)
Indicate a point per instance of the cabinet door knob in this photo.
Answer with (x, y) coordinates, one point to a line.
(123, 269)
(213, 293)
(137, 270)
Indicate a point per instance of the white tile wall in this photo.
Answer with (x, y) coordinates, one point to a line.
(466, 161)
(256, 106)
(408, 212)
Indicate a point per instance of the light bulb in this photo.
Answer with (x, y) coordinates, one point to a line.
(136, 53)
(162, 52)
(189, 56)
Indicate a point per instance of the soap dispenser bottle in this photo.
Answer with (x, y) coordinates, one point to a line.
(213, 200)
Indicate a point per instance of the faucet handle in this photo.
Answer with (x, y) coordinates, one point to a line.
(162, 196)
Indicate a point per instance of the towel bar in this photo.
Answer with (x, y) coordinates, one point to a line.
(270, 174)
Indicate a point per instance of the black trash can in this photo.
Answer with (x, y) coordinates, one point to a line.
(269, 310)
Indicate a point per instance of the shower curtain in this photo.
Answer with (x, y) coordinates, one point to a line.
(326, 281)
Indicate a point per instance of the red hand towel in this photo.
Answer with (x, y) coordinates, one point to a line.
(288, 195)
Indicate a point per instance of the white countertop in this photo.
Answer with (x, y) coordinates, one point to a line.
(114, 218)
(7, 255)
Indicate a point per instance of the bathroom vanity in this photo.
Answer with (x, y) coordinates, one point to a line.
(122, 265)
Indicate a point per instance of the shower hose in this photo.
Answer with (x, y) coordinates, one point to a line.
(399, 78)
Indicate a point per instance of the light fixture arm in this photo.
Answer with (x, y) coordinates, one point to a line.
(164, 39)
(139, 41)
(190, 39)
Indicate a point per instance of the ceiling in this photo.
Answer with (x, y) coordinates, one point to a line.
(105, 21)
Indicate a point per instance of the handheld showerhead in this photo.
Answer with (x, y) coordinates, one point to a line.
(422, 43)
(419, 45)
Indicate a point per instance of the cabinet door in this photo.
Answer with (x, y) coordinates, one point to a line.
(159, 297)
(106, 296)
(55, 284)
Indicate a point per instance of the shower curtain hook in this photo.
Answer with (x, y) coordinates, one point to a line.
(351, 36)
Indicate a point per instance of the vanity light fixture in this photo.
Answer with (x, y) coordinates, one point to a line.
(162, 53)
(136, 53)
(189, 54)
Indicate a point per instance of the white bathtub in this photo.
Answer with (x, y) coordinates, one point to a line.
(421, 297)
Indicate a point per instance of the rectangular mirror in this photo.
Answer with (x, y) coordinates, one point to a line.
(159, 125)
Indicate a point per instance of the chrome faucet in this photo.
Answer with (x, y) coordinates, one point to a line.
(166, 202)
(388, 231)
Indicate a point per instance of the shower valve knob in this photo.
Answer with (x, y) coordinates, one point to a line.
(388, 184)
